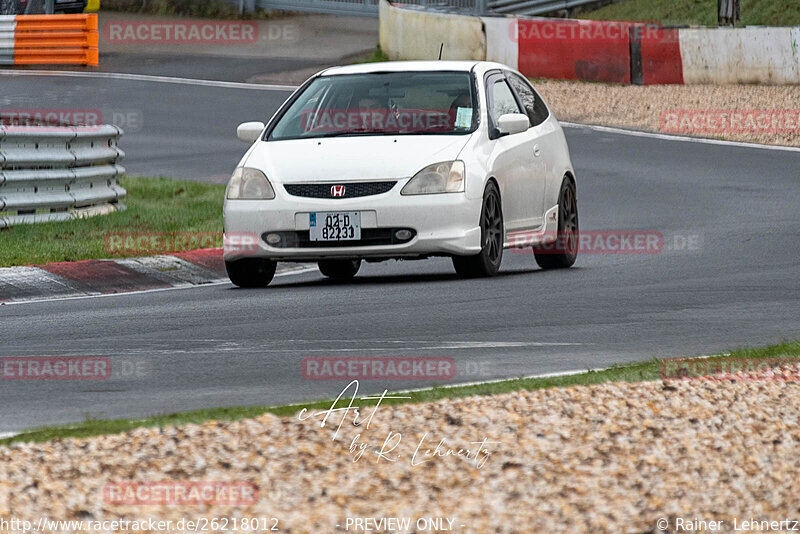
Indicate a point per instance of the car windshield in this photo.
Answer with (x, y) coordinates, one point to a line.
(394, 103)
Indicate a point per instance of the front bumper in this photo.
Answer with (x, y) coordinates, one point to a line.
(444, 224)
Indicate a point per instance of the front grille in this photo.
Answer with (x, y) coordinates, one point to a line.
(369, 237)
(351, 189)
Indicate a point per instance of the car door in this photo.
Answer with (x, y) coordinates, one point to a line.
(545, 139)
(514, 162)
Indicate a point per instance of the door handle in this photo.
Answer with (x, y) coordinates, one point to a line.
(537, 151)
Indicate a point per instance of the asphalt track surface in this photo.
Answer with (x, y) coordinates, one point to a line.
(182, 65)
(737, 284)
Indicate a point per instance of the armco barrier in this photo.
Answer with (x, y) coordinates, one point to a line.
(50, 173)
(49, 40)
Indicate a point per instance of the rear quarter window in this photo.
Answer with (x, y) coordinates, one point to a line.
(534, 105)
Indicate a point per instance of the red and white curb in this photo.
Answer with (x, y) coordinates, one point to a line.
(90, 278)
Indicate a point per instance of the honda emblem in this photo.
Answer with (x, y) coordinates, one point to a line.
(337, 190)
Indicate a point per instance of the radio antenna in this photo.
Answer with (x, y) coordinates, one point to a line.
(440, 51)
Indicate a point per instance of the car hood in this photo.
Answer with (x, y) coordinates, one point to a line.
(352, 158)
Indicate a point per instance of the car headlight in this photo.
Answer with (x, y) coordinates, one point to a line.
(249, 184)
(445, 177)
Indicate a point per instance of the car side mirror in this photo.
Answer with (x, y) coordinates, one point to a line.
(512, 123)
(249, 132)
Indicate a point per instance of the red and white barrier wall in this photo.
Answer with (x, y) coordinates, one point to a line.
(615, 52)
(742, 55)
(624, 52)
(604, 51)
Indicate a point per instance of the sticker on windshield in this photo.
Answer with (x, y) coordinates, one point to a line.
(463, 118)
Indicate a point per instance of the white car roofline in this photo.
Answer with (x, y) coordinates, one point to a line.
(411, 66)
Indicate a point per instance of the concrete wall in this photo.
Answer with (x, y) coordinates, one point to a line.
(502, 37)
(741, 55)
(418, 34)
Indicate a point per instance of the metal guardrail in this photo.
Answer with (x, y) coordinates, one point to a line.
(29, 7)
(463, 7)
(367, 8)
(57, 173)
(370, 7)
(8, 26)
(534, 7)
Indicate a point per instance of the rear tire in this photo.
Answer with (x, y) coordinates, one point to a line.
(339, 269)
(564, 251)
(251, 272)
(487, 261)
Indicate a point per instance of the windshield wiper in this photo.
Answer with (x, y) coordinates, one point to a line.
(354, 133)
(350, 132)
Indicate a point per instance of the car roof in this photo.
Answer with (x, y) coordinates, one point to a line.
(409, 66)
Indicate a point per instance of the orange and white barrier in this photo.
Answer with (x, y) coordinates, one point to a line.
(49, 40)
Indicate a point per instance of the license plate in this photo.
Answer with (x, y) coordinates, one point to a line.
(335, 226)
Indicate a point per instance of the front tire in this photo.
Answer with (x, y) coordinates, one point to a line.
(339, 269)
(487, 261)
(564, 251)
(251, 272)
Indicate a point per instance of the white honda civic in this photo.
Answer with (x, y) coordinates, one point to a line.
(402, 160)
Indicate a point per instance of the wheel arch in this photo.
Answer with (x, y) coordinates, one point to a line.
(554, 194)
(571, 177)
(493, 180)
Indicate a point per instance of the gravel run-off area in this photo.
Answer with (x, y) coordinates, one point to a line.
(615, 457)
(697, 110)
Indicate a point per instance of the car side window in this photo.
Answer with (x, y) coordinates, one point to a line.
(534, 105)
(503, 100)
